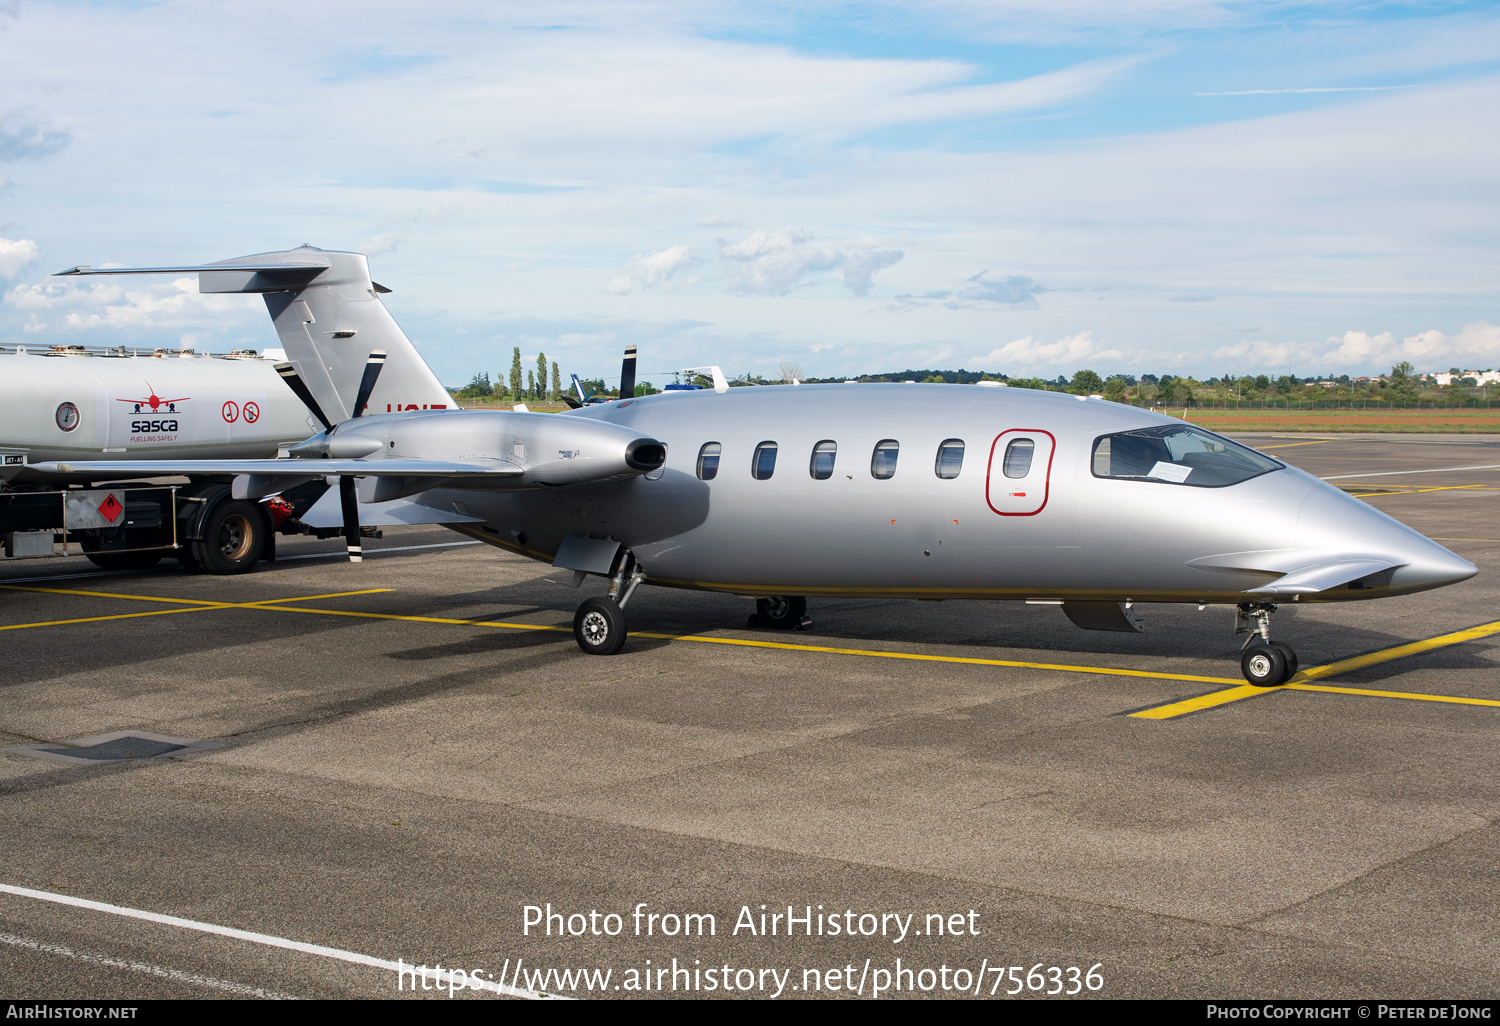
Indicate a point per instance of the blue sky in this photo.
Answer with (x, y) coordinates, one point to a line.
(1143, 186)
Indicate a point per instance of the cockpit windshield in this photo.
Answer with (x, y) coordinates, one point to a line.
(1178, 454)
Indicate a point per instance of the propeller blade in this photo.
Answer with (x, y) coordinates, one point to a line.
(627, 374)
(367, 383)
(350, 502)
(296, 384)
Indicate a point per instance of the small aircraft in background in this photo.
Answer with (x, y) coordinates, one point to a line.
(785, 492)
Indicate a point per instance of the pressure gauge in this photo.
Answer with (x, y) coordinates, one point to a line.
(67, 416)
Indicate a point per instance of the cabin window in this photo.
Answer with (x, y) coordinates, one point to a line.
(1178, 454)
(1018, 457)
(823, 455)
(950, 459)
(708, 461)
(764, 463)
(883, 462)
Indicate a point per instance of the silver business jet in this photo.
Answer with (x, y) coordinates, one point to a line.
(788, 492)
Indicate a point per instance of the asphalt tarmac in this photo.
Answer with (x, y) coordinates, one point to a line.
(413, 751)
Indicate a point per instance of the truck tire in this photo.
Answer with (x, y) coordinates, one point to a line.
(233, 533)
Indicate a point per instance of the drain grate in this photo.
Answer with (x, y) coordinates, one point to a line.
(128, 747)
(120, 746)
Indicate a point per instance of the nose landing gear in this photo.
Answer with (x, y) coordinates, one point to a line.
(1265, 663)
(599, 623)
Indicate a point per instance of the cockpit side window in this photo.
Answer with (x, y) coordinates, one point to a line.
(708, 461)
(1178, 454)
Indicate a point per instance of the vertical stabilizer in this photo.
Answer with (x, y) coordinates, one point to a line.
(328, 328)
(329, 319)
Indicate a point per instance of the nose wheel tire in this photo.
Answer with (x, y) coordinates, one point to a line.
(1266, 666)
(599, 627)
(782, 611)
(1290, 656)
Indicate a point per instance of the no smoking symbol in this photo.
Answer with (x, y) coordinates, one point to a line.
(231, 412)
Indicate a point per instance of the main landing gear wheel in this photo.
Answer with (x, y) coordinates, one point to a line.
(784, 612)
(1265, 664)
(599, 626)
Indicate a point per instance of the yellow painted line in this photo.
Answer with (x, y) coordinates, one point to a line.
(180, 605)
(109, 594)
(1399, 652)
(309, 598)
(1468, 539)
(1190, 705)
(1413, 695)
(1233, 694)
(207, 603)
(786, 646)
(1299, 682)
(1293, 445)
(116, 616)
(1414, 491)
(426, 619)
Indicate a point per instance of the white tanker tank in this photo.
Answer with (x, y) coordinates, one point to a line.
(69, 403)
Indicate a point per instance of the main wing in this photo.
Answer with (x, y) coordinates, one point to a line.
(303, 468)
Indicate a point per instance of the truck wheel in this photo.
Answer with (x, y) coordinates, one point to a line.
(233, 536)
(124, 560)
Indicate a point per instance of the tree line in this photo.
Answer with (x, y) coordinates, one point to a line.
(530, 384)
(1402, 384)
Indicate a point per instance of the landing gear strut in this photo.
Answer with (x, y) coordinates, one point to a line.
(1265, 663)
(599, 624)
(783, 612)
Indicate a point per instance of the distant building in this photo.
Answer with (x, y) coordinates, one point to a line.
(1488, 377)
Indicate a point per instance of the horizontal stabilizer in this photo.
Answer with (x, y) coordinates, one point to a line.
(305, 271)
(328, 512)
(474, 468)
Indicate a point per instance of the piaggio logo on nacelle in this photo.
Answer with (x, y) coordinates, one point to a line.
(154, 402)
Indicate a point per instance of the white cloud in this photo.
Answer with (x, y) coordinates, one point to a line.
(23, 137)
(1476, 344)
(1068, 351)
(16, 254)
(655, 269)
(860, 266)
(385, 242)
(110, 306)
(774, 263)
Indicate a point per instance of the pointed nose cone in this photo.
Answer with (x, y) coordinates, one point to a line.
(1335, 522)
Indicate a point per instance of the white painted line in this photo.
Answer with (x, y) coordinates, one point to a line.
(96, 573)
(262, 938)
(279, 559)
(175, 975)
(376, 552)
(1394, 473)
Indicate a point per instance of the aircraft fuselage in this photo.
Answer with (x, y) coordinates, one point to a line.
(855, 521)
